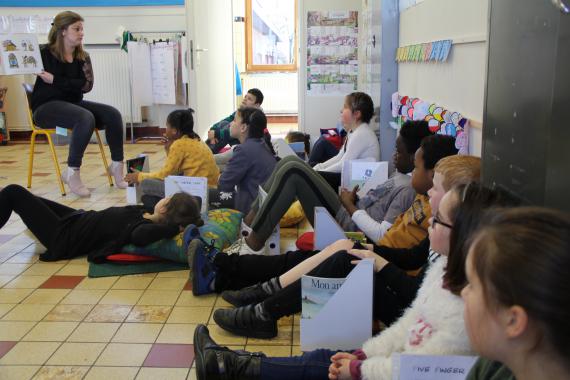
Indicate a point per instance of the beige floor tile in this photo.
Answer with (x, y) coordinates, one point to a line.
(175, 333)
(137, 333)
(18, 371)
(50, 332)
(12, 268)
(33, 353)
(132, 283)
(113, 373)
(61, 372)
(121, 297)
(4, 279)
(14, 331)
(28, 313)
(188, 299)
(175, 273)
(121, 354)
(68, 313)
(108, 313)
(296, 335)
(94, 332)
(46, 296)
(278, 351)
(102, 283)
(13, 295)
(5, 308)
(159, 297)
(167, 283)
(182, 314)
(83, 297)
(43, 269)
(220, 302)
(224, 338)
(149, 314)
(284, 338)
(27, 282)
(162, 373)
(192, 375)
(73, 270)
(24, 258)
(76, 354)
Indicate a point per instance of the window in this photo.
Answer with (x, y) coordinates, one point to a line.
(271, 35)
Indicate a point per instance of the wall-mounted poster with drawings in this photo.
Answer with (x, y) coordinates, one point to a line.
(20, 54)
(332, 52)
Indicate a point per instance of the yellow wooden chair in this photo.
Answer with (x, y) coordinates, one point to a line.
(36, 130)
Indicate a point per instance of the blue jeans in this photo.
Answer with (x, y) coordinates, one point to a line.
(83, 118)
(310, 365)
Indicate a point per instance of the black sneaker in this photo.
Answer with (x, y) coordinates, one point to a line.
(246, 296)
(242, 321)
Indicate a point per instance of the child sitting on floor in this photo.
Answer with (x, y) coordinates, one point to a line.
(186, 155)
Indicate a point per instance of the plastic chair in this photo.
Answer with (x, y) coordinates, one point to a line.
(48, 132)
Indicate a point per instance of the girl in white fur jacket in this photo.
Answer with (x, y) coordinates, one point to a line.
(432, 325)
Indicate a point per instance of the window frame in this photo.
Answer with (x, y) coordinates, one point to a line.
(250, 67)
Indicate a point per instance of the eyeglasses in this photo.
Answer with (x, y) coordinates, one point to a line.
(436, 220)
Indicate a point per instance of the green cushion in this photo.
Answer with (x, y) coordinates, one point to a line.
(221, 225)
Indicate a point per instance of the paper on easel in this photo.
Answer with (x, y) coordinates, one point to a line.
(379, 176)
(345, 321)
(356, 172)
(196, 186)
(431, 367)
(272, 245)
(140, 163)
(140, 71)
(20, 54)
(163, 72)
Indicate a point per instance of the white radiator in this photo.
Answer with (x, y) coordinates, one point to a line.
(279, 91)
(110, 67)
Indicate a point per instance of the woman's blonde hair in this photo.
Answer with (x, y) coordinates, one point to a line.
(55, 37)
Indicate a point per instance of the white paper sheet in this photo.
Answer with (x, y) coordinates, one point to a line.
(163, 72)
(141, 74)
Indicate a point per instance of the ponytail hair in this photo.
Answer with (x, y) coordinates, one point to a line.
(183, 122)
(55, 36)
(256, 122)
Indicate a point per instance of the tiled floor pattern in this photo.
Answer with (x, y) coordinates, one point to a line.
(56, 323)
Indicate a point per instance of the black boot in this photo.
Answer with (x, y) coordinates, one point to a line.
(244, 322)
(214, 362)
(246, 296)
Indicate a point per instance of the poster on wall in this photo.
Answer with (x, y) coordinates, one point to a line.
(332, 52)
(20, 54)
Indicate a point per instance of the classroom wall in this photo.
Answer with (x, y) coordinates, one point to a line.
(101, 24)
(459, 83)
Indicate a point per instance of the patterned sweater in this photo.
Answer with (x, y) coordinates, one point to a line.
(191, 157)
(433, 325)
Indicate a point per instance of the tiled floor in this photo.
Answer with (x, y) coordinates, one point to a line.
(56, 323)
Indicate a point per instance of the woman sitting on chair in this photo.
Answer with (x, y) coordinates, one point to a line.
(57, 100)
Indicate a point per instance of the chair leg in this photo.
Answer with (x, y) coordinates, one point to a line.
(31, 159)
(104, 157)
(56, 164)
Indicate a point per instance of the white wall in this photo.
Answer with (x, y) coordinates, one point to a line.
(459, 83)
(101, 24)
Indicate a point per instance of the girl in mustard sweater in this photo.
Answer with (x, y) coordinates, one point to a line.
(186, 154)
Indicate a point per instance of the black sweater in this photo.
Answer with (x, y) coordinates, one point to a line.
(101, 233)
(70, 80)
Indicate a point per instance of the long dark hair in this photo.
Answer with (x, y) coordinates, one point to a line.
(183, 122)
(55, 36)
(256, 122)
(522, 257)
(473, 207)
